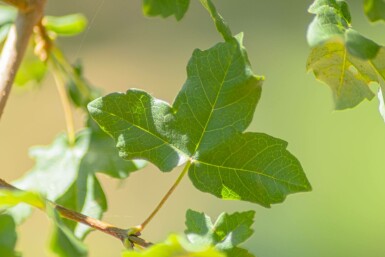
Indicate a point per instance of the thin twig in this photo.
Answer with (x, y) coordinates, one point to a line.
(29, 14)
(165, 197)
(68, 114)
(119, 233)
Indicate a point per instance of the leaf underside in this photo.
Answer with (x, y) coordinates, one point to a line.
(341, 57)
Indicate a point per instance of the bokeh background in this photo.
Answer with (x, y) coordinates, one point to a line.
(342, 152)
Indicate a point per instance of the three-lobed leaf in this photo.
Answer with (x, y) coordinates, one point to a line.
(214, 107)
(79, 189)
(226, 233)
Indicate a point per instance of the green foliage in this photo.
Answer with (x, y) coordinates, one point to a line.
(203, 129)
(341, 57)
(32, 69)
(176, 246)
(228, 231)
(166, 8)
(223, 161)
(8, 236)
(68, 25)
(375, 10)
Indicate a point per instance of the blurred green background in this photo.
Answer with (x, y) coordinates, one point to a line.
(342, 152)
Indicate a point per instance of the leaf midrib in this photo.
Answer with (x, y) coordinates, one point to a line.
(214, 104)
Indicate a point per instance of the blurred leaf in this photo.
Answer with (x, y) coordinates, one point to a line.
(32, 69)
(331, 21)
(79, 90)
(166, 8)
(8, 236)
(227, 232)
(348, 76)
(176, 246)
(7, 17)
(9, 198)
(215, 105)
(63, 242)
(375, 10)
(67, 25)
(66, 173)
(238, 252)
(341, 57)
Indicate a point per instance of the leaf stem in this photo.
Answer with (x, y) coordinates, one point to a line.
(29, 14)
(69, 118)
(165, 197)
(119, 233)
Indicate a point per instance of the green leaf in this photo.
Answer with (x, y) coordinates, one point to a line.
(221, 25)
(227, 232)
(176, 246)
(32, 69)
(341, 57)
(215, 105)
(375, 10)
(348, 76)
(10, 198)
(166, 8)
(79, 89)
(67, 25)
(8, 236)
(238, 252)
(79, 189)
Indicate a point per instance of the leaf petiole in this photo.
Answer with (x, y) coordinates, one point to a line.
(165, 197)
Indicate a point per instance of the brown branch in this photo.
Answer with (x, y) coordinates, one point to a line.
(29, 14)
(119, 233)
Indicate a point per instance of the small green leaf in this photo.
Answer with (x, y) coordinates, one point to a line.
(166, 8)
(67, 25)
(10, 198)
(331, 21)
(8, 236)
(238, 252)
(32, 69)
(79, 89)
(176, 246)
(221, 25)
(375, 10)
(227, 232)
(360, 46)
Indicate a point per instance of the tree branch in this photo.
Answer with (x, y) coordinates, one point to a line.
(119, 233)
(29, 14)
